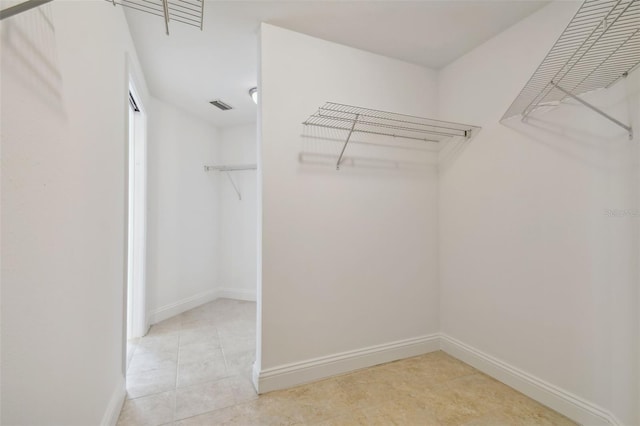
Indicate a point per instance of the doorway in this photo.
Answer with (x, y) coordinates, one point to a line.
(136, 221)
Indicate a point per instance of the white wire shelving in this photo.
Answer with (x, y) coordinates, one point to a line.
(188, 12)
(353, 119)
(599, 46)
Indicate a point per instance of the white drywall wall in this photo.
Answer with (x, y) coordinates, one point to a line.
(237, 218)
(182, 226)
(532, 270)
(64, 140)
(349, 256)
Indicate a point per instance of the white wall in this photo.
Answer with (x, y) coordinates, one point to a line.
(237, 218)
(183, 212)
(349, 256)
(64, 139)
(532, 271)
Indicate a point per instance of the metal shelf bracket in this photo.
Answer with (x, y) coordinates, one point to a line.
(599, 111)
(353, 126)
(228, 169)
(599, 47)
(21, 7)
(235, 187)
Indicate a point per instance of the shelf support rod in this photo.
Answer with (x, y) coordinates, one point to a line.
(201, 13)
(22, 7)
(599, 111)
(347, 141)
(165, 8)
(226, 172)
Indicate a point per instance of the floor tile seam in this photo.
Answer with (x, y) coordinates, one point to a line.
(217, 409)
(151, 370)
(175, 418)
(150, 394)
(226, 376)
(175, 385)
(209, 381)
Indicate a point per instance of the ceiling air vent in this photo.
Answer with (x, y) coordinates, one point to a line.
(218, 103)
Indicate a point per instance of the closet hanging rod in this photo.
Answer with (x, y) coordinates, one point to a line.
(231, 168)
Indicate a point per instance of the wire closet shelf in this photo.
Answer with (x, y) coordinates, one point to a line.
(188, 12)
(353, 119)
(599, 46)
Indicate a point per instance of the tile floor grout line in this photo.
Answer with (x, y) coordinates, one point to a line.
(175, 385)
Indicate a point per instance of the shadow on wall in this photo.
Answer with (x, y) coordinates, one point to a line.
(321, 148)
(596, 145)
(29, 54)
(451, 150)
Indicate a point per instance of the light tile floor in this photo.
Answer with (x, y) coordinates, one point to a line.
(195, 369)
(190, 364)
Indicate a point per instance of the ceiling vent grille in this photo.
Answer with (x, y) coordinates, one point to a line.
(219, 104)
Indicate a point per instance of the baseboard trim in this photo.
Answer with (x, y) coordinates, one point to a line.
(552, 396)
(111, 414)
(181, 306)
(231, 293)
(298, 373)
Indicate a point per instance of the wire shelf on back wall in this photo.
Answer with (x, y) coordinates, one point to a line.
(189, 12)
(600, 46)
(354, 119)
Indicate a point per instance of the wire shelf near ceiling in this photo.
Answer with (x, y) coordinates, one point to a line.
(188, 12)
(353, 119)
(600, 45)
(364, 120)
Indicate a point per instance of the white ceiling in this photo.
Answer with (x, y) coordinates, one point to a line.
(190, 67)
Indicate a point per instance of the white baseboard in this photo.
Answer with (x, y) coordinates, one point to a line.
(255, 375)
(184, 305)
(231, 293)
(298, 373)
(552, 396)
(111, 414)
(181, 306)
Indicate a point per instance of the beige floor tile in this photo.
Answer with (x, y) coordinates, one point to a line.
(199, 399)
(405, 411)
(242, 389)
(167, 342)
(208, 369)
(235, 415)
(147, 361)
(150, 382)
(215, 344)
(199, 335)
(312, 403)
(530, 412)
(170, 325)
(202, 351)
(150, 410)
(240, 363)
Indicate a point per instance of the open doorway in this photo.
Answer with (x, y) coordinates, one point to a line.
(136, 228)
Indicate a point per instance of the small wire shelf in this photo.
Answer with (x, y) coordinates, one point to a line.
(188, 12)
(353, 119)
(599, 46)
